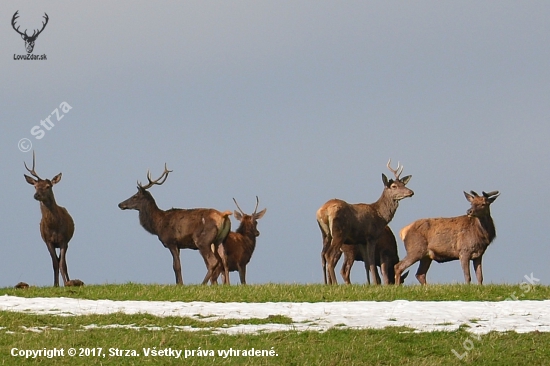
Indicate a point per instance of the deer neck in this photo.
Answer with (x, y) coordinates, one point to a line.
(150, 217)
(386, 207)
(247, 232)
(49, 208)
(487, 225)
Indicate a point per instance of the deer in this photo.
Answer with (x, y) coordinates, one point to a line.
(386, 257)
(56, 225)
(29, 40)
(202, 229)
(239, 245)
(360, 223)
(446, 239)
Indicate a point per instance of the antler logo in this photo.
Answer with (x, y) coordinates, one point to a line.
(29, 40)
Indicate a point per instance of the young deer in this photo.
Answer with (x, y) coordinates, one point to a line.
(386, 258)
(239, 245)
(199, 228)
(344, 223)
(446, 239)
(56, 225)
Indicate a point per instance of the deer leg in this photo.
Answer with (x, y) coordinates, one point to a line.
(363, 251)
(346, 268)
(371, 255)
(212, 261)
(326, 248)
(384, 269)
(403, 265)
(479, 271)
(176, 263)
(208, 246)
(221, 256)
(63, 264)
(465, 263)
(242, 273)
(333, 256)
(378, 280)
(55, 264)
(423, 267)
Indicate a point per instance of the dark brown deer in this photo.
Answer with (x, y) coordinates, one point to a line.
(199, 228)
(386, 258)
(446, 239)
(239, 245)
(29, 40)
(344, 223)
(56, 225)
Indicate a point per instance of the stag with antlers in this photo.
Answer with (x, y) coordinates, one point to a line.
(29, 40)
(344, 223)
(199, 228)
(56, 225)
(239, 246)
(444, 239)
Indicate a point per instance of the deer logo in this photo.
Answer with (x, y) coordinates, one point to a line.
(29, 40)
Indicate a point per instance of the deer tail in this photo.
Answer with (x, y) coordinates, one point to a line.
(404, 231)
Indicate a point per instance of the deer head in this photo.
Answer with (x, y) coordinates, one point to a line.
(249, 220)
(29, 40)
(135, 202)
(396, 188)
(480, 204)
(44, 192)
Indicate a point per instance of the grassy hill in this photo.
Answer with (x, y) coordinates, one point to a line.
(105, 339)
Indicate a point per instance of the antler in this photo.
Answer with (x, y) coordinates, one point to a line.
(43, 26)
(234, 200)
(163, 176)
(256, 208)
(15, 16)
(34, 33)
(33, 173)
(397, 172)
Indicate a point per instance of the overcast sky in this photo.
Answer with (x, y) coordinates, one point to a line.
(296, 102)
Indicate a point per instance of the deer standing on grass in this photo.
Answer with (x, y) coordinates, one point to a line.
(446, 239)
(56, 225)
(199, 228)
(344, 223)
(239, 245)
(386, 258)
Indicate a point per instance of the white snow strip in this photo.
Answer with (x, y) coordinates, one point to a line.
(424, 316)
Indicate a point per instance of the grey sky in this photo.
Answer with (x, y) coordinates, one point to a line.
(297, 102)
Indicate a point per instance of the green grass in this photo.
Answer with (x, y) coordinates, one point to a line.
(391, 346)
(289, 292)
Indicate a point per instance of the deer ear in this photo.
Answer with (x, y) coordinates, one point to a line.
(385, 179)
(406, 179)
(238, 215)
(56, 179)
(468, 197)
(30, 180)
(260, 214)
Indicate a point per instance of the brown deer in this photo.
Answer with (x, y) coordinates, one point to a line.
(199, 228)
(446, 239)
(239, 245)
(344, 223)
(386, 258)
(56, 225)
